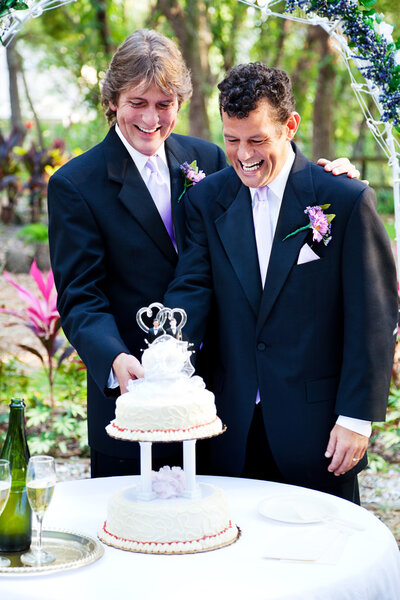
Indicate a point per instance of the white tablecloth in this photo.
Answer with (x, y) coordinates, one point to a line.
(368, 569)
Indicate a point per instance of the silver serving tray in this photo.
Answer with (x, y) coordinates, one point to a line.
(72, 550)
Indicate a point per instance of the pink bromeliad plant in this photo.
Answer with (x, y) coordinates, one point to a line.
(42, 318)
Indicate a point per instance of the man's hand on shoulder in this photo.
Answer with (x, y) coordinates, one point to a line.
(346, 448)
(340, 166)
(126, 367)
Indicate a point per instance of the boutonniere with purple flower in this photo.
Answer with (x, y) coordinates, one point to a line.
(320, 224)
(191, 174)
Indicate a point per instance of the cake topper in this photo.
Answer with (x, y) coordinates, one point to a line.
(168, 355)
(148, 311)
(158, 320)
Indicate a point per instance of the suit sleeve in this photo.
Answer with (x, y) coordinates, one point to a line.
(191, 288)
(78, 262)
(370, 313)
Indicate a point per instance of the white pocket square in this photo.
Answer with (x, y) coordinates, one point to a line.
(306, 255)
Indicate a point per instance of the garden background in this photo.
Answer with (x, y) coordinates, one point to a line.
(50, 111)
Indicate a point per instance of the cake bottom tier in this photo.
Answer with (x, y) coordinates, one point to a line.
(173, 526)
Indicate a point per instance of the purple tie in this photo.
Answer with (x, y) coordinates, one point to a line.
(160, 193)
(262, 229)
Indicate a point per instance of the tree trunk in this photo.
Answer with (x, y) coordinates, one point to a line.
(191, 28)
(104, 30)
(283, 32)
(196, 55)
(13, 69)
(34, 113)
(301, 74)
(323, 143)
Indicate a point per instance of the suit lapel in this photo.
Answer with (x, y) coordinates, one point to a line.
(135, 196)
(298, 195)
(176, 156)
(235, 228)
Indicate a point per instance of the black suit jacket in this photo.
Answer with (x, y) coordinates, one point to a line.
(317, 342)
(112, 255)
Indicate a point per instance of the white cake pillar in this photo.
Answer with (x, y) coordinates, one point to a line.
(189, 466)
(145, 491)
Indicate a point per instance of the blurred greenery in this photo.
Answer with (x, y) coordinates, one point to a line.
(34, 233)
(61, 432)
(385, 439)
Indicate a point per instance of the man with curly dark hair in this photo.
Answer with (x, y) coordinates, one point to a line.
(300, 269)
(248, 84)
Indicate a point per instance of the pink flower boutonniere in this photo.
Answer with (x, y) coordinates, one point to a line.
(320, 224)
(191, 174)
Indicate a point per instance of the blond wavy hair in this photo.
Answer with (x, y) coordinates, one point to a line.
(145, 58)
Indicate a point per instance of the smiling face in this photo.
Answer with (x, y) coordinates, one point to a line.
(146, 117)
(257, 146)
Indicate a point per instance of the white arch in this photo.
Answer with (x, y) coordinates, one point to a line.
(12, 23)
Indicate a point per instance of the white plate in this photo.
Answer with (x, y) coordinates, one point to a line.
(297, 508)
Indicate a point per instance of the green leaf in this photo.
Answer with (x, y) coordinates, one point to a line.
(368, 3)
(324, 206)
(330, 217)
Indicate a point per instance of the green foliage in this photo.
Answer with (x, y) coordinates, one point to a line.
(34, 233)
(385, 201)
(376, 463)
(390, 230)
(59, 431)
(386, 436)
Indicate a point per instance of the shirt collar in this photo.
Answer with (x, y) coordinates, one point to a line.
(138, 158)
(277, 185)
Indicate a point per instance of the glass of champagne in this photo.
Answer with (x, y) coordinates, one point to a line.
(5, 486)
(40, 482)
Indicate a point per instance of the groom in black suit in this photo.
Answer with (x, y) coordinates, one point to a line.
(110, 247)
(306, 316)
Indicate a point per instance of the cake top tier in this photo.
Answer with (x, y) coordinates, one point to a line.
(167, 358)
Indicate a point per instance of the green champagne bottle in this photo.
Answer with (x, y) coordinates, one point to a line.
(16, 518)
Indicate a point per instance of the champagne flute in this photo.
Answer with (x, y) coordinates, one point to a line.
(40, 482)
(5, 486)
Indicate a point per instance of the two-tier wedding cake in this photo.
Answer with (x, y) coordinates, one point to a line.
(167, 512)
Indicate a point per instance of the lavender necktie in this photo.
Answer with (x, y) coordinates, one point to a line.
(160, 193)
(262, 229)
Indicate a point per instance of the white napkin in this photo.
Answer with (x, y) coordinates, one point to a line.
(322, 544)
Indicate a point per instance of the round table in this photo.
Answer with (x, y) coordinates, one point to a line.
(368, 567)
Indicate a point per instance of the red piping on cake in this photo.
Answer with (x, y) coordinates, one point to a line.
(161, 430)
(205, 537)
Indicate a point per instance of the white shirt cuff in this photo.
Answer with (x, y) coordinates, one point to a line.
(357, 425)
(112, 382)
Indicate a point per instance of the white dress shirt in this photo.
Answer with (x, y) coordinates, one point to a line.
(140, 161)
(276, 189)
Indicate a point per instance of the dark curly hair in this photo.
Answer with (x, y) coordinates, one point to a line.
(245, 85)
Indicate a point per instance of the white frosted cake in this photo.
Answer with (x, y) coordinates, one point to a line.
(167, 512)
(168, 404)
(169, 526)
